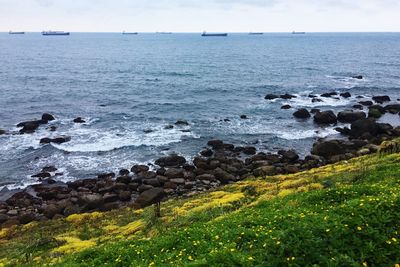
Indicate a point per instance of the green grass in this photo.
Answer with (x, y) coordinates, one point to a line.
(351, 219)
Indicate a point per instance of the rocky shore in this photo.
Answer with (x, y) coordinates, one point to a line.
(220, 163)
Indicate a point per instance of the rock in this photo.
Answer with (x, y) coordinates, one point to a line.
(315, 110)
(79, 120)
(139, 168)
(345, 130)
(178, 181)
(171, 161)
(144, 187)
(42, 175)
(49, 169)
(57, 140)
(3, 218)
(182, 123)
(47, 117)
(317, 100)
(26, 217)
(361, 127)
(289, 155)
(207, 153)
(381, 99)
(90, 201)
(374, 113)
(124, 179)
(69, 210)
(327, 149)
(123, 172)
(12, 213)
(325, 117)
(350, 116)
(249, 150)
(50, 210)
(286, 107)
(29, 126)
(125, 195)
(11, 222)
(169, 127)
(359, 77)
(394, 108)
(147, 175)
(329, 94)
(302, 114)
(243, 117)
(366, 103)
(287, 96)
(52, 128)
(106, 176)
(345, 95)
(216, 144)
(149, 197)
(174, 173)
(154, 182)
(110, 197)
(2, 132)
(223, 176)
(208, 177)
(265, 171)
(271, 97)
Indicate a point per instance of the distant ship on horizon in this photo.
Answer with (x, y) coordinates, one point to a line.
(164, 32)
(205, 34)
(294, 32)
(54, 33)
(130, 33)
(11, 32)
(256, 33)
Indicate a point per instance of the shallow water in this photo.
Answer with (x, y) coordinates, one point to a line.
(125, 85)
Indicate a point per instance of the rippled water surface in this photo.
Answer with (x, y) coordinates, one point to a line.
(128, 88)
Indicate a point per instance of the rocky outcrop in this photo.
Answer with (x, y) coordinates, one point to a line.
(302, 114)
(350, 116)
(325, 117)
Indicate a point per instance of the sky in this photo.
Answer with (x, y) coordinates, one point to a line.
(200, 15)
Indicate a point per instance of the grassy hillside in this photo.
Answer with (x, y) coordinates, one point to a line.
(347, 214)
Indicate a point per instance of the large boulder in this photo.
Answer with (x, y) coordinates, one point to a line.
(30, 126)
(325, 117)
(271, 96)
(287, 96)
(327, 149)
(171, 161)
(345, 95)
(174, 173)
(216, 144)
(392, 108)
(149, 197)
(381, 99)
(363, 127)
(302, 114)
(350, 116)
(289, 155)
(47, 117)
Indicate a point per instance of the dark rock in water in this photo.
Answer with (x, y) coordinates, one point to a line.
(325, 117)
(105, 176)
(350, 116)
(243, 117)
(52, 128)
(29, 126)
(345, 95)
(42, 175)
(317, 100)
(357, 106)
(287, 96)
(286, 107)
(315, 110)
(79, 120)
(302, 114)
(49, 169)
(394, 108)
(149, 197)
(123, 172)
(366, 103)
(361, 127)
(227, 120)
(148, 131)
(206, 153)
(329, 94)
(139, 168)
(345, 130)
(182, 122)
(312, 96)
(359, 77)
(381, 99)
(2, 132)
(171, 161)
(169, 127)
(249, 150)
(379, 108)
(374, 113)
(215, 144)
(271, 97)
(47, 117)
(57, 140)
(288, 155)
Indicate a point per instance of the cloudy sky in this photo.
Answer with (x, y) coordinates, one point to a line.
(199, 15)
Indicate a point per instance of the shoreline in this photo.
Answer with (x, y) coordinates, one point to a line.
(221, 163)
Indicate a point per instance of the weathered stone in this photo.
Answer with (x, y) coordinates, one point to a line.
(325, 117)
(350, 116)
(171, 161)
(265, 171)
(149, 197)
(302, 114)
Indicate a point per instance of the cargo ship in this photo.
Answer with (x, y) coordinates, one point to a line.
(205, 34)
(256, 33)
(54, 33)
(129, 33)
(294, 32)
(11, 32)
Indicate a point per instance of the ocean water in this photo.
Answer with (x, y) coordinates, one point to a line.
(126, 85)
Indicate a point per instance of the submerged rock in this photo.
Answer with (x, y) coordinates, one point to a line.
(359, 77)
(381, 99)
(345, 95)
(271, 97)
(56, 140)
(79, 120)
(302, 114)
(350, 116)
(47, 117)
(286, 107)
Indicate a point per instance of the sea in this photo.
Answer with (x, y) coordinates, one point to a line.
(130, 88)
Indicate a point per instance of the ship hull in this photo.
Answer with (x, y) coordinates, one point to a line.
(55, 33)
(214, 34)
